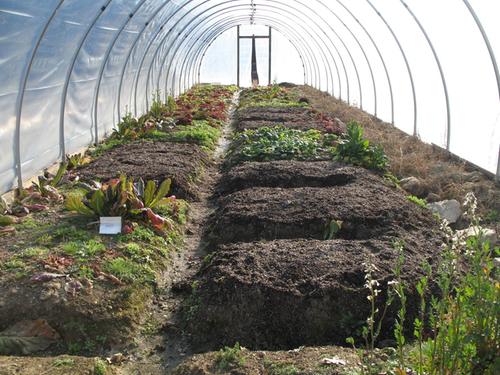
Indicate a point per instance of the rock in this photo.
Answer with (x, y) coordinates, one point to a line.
(449, 210)
(473, 176)
(433, 197)
(488, 235)
(414, 186)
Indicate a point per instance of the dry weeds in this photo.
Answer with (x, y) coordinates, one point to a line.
(409, 156)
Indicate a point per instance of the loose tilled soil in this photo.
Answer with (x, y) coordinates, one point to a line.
(367, 207)
(300, 118)
(288, 173)
(182, 162)
(287, 293)
(273, 282)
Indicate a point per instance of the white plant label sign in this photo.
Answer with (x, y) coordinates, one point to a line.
(110, 225)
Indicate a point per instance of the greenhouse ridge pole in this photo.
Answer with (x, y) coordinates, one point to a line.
(20, 96)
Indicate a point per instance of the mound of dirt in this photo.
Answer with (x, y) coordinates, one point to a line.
(300, 118)
(288, 173)
(367, 207)
(182, 162)
(102, 316)
(303, 361)
(287, 293)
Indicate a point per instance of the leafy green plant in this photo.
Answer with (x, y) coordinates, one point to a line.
(100, 367)
(418, 201)
(158, 108)
(400, 289)
(458, 331)
(76, 160)
(129, 128)
(171, 104)
(332, 229)
(121, 197)
(464, 320)
(276, 143)
(353, 148)
(200, 132)
(419, 323)
(229, 357)
(270, 96)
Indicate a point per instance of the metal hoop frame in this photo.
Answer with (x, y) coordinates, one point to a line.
(192, 57)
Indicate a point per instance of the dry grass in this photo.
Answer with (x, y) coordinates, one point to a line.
(443, 175)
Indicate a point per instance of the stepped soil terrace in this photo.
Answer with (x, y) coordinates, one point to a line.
(261, 262)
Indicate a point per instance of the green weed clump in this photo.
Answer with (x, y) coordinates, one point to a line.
(200, 132)
(457, 328)
(276, 143)
(228, 358)
(270, 96)
(418, 201)
(353, 148)
(128, 270)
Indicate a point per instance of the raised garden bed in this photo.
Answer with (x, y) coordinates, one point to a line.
(288, 293)
(367, 208)
(288, 174)
(182, 162)
(300, 118)
(91, 289)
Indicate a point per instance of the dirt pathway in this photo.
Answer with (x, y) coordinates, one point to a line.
(162, 344)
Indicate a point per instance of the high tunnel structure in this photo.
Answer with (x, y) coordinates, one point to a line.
(70, 69)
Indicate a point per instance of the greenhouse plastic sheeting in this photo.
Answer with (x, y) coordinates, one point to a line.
(70, 69)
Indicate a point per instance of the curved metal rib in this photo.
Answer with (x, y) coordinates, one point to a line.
(20, 98)
(408, 68)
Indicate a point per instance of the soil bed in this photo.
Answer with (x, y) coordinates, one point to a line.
(288, 293)
(300, 118)
(289, 174)
(367, 208)
(182, 162)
